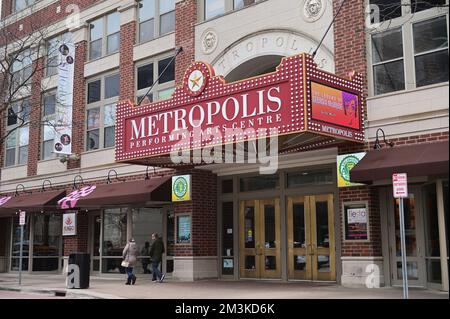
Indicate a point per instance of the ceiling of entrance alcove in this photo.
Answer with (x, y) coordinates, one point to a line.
(254, 67)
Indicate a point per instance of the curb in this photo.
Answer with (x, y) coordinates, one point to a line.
(61, 293)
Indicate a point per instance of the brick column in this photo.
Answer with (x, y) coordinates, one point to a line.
(185, 20)
(78, 243)
(198, 259)
(127, 42)
(6, 8)
(350, 55)
(79, 103)
(34, 144)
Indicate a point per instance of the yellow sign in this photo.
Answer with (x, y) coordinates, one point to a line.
(345, 163)
(181, 188)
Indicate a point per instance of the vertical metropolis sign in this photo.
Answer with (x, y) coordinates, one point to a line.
(64, 99)
(206, 111)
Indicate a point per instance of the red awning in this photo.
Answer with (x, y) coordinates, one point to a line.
(416, 160)
(34, 202)
(156, 189)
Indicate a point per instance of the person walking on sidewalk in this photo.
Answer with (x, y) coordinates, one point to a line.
(129, 254)
(156, 253)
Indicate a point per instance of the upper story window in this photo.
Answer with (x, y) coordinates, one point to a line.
(409, 45)
(215, 8)
(48, 120)
(103, 94)
(148, 72)
(53, 52)
(156, 18)
(17, 131)
(104, 36)
(18, 5)
(21, 69)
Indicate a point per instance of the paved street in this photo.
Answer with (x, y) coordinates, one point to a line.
(114, 288)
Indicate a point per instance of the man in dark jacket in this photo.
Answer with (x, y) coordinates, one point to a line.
(156, 253)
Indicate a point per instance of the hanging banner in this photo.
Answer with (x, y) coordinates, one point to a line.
(64, 99)
(344, 165)
(69, 224)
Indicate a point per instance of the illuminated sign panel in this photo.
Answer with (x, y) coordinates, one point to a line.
(279, 103)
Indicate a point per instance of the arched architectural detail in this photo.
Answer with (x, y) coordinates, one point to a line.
(271, 43)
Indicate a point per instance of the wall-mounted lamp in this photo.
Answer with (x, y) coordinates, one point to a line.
(377, 145)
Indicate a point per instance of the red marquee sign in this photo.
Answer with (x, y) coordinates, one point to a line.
(296, 98)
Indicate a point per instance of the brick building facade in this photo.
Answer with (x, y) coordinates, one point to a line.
(240, 39)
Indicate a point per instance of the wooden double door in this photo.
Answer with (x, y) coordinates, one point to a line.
(310, 238)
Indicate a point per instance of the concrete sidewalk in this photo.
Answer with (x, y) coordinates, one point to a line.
(114, 288)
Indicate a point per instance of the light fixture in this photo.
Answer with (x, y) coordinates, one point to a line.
(377, 145)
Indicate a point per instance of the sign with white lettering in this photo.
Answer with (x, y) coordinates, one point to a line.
(206, 111)
(400, 185)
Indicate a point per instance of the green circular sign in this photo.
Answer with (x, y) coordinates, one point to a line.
(180, 187)
(346, 165)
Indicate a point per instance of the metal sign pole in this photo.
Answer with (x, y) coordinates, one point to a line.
(21, 253)
(403, 244)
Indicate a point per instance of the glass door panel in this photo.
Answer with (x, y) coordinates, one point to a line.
(413, 235)
(260, 239)
(311, 247)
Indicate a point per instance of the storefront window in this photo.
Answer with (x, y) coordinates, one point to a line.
(146, 221)
(445, 193)
(15, 255)
(256, 183)
(47, 240)
(114, 239)
(184, 229)
(312, 177)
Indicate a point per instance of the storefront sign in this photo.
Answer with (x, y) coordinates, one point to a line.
(64, 99)
(335, 106)
(356, 224)
(22, 216)
(70, 201)
(344, 165)
(4, 200)
(400, 184)
(181, 188)
(183, 229)
(69, 224)
(207, 112)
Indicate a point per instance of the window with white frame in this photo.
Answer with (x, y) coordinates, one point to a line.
(21, 69)
(17, 133)
(53, 52)
(408, 45)
(18, 5)
(104, 36)
(156, 18)
(102, 97)
(148, 72)
(216, 8)
(48, 120)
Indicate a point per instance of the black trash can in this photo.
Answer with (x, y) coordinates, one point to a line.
(83, 261)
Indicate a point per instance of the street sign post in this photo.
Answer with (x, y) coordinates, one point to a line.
(22, 216)
(400, 185)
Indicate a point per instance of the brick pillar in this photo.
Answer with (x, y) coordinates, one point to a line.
(6, 8)
(350, 55)
(79, 103)
(198, 259)
(127, 41)
(185, 20)
(34, 144)
(78, 243)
